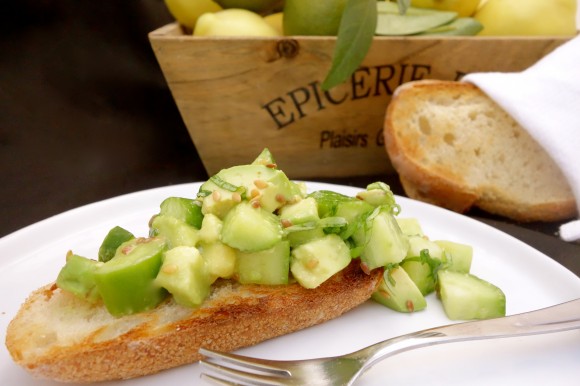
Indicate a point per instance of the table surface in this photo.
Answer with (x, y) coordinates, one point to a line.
(85, 115)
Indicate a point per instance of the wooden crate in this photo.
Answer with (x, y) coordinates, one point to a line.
(239, 95)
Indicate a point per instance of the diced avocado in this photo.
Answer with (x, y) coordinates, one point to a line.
(398, 292)
(251, 229)
(327, 201)
(184, 209)
(270, 188)
(383, 243)
(220, 259)
(78, 277)
(111, 242)
(300, 237)
(185, 275)
(465, 296)
(314, 262)
(265, 158)
(211, 229)
(176, 232)
(270, 266)
(457, 256)
(126, 282)
(410, 226)
(300, 212)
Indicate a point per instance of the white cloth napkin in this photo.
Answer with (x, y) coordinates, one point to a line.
(545, 100)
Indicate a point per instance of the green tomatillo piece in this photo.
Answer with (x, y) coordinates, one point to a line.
(126, 282)
(113, 239)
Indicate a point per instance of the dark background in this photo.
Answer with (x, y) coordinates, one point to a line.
(85, 115)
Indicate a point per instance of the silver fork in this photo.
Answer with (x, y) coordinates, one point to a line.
(230, 369)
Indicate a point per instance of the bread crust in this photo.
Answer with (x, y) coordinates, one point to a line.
(234, 316)
(447, 186)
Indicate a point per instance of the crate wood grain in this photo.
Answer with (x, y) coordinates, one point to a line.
(239, 95)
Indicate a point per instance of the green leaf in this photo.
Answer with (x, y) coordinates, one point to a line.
(355, 36)
(415, 20)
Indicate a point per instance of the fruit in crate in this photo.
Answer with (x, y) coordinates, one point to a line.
(233, 22)
(528, 17)
(464, 8)
(186, 12)
(252, 5)
(305, 17)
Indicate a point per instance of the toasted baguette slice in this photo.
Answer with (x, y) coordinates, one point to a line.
(57, 336)
(454, 147)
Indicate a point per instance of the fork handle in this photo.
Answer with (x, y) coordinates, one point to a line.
(562, 317)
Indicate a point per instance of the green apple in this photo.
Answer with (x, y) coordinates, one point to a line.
(257, 6)
(464, 8)
(527, 17)
(186, 12)
(306, 17)
(233, 22)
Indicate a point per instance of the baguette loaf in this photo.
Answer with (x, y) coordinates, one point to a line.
(57, 336)
(454, 147)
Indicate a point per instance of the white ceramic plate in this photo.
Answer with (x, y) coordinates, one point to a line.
(33, 256)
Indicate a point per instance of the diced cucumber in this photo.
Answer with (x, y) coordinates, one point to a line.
(78, 277)
(327, 201)
(419, 243)
(410, 226)
(220, 259)
(251, 229)
(378, 194)
(465, 296)
(398, 292)
(269, 267)
(300, 212)
(111, 242)
(384, 243)
(297, 238)
(176, 232)
(184, 209)
(314, 262)
(421, 273)
(457, 256)
(185, 275)
(354, 212)
(126, 282)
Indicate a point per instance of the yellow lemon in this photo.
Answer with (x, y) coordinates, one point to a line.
(276, 21)
(186, 12)
(233, 22)
(527, 17)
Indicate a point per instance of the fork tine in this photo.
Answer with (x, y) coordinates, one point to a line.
(239, 375)
(253, 363)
